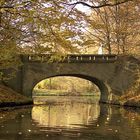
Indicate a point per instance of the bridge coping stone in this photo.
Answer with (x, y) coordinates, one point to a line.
(70, 58)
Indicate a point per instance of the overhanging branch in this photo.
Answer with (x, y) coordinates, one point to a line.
(6, 7)
(98, 6)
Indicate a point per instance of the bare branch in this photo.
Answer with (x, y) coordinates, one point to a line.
(6, 7)
(98, 6)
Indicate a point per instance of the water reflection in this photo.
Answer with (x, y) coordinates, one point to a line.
(68, 114)
(70, 119)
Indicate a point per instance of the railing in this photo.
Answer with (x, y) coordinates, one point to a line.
(71, 58)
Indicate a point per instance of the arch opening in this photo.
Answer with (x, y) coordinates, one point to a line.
(99, 87)
(66, 85)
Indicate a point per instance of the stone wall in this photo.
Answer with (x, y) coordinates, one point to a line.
(112, 78)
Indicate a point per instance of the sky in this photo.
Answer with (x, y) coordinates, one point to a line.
(82, 8)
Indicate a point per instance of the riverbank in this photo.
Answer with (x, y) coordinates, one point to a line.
(57, 92)
(131, 99)
(9, 98)
(132, 96)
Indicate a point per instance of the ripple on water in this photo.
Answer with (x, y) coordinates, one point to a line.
(71, 120)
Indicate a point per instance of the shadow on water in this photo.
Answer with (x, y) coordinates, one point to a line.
(68, 118)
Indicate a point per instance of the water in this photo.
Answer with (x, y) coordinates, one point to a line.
(70, 118)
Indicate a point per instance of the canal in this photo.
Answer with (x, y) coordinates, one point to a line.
(69, 118)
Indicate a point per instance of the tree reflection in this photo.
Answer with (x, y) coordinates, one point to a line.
(69, 114)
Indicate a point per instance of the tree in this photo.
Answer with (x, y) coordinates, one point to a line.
(43, 26)
(117, 27)
(35, 26)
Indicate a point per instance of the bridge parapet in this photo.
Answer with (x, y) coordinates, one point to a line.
(71, 58)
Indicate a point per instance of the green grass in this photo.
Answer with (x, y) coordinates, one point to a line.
(45, 92)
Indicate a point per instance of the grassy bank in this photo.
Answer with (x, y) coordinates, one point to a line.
(9, 97)
(45, 92)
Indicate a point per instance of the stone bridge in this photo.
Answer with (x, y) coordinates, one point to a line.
(112, 74)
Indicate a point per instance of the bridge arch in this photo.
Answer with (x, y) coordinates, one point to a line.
(113, 75)
(103, 88)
